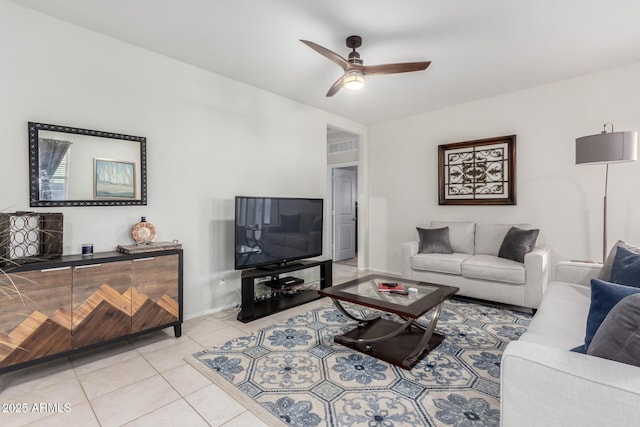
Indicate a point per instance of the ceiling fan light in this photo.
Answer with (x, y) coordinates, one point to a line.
(353, 80)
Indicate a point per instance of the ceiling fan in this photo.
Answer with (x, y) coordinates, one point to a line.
(354, 71)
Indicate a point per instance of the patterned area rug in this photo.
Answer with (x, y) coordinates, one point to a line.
(292, 373)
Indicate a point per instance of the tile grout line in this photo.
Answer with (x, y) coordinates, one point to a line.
(85, 392)
(181, 397)
(75, 373)
(239, 415)
(143, 379)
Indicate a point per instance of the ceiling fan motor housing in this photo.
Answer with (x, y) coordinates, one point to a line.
(354, 42)
(354, 58)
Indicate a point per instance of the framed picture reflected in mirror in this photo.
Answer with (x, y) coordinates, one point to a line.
(114, 179)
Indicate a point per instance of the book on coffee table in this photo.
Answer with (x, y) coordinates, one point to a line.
(390, 286)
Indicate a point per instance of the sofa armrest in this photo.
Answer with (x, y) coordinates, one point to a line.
(577, 272)
(536, 264)
(545, 386)
(409, 249)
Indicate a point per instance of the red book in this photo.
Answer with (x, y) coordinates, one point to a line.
(390, 286)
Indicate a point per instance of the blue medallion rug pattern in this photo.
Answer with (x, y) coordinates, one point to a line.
(295, 371)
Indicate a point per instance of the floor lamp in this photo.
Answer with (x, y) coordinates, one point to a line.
(602, 149)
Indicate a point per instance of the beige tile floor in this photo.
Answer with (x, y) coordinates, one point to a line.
(140, 382)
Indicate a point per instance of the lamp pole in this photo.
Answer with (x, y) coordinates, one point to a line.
(604, 218)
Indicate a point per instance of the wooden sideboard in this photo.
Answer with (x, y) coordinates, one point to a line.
(76, 302)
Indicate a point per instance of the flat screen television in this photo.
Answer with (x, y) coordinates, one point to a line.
(276, 230)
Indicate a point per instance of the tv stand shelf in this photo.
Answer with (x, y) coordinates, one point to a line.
(252, 309)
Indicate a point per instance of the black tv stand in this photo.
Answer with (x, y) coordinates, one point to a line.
(287, 282)
(252, 309)
(277, 267)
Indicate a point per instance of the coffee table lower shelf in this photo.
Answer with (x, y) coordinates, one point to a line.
(395, 350)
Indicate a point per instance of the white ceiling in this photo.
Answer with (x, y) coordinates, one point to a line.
(478, 49)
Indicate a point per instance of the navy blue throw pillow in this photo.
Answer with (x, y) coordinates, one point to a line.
(604, 296)
(626, 268)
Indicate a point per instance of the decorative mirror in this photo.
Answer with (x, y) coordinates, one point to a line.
(79, 167)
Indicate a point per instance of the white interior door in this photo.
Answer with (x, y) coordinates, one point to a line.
(344, 214)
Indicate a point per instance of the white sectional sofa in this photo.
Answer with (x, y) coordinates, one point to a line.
(545, 384)
(474, 265)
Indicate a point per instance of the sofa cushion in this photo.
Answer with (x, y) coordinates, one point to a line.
(561, 317)
(517, 243)
(439, 263)
(461, 234)
(626, 268)
(618, 337)
(604, 296)
(489, 237)
(549, 340)
(492, 268)
(434, 241)
(605, 273)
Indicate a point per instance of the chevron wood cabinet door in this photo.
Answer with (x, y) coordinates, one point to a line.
(101, 302)
(36, 322)
(154, 294)
(76, 303)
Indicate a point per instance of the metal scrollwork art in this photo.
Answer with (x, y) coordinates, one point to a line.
(480, 172)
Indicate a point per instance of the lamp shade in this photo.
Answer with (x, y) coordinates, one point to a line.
(612, 147)
(354, 80)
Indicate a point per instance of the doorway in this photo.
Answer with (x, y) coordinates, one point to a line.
(342, 190)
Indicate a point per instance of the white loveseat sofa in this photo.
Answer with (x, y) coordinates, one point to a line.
(474, 265)
(545, 384)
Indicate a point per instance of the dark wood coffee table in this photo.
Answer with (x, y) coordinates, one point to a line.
(402, 344)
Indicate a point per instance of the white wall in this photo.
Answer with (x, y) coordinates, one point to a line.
(562, 199)
(208, 139)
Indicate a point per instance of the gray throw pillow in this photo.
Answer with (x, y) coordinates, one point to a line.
(618, 337)
(605, 273)
(517, 243)
(434, 241)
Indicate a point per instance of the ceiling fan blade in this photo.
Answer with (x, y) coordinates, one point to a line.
(404, 67)
(336, 86)
(328, 54)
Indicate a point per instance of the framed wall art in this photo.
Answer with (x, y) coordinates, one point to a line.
(114, 179)
(480, 172)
